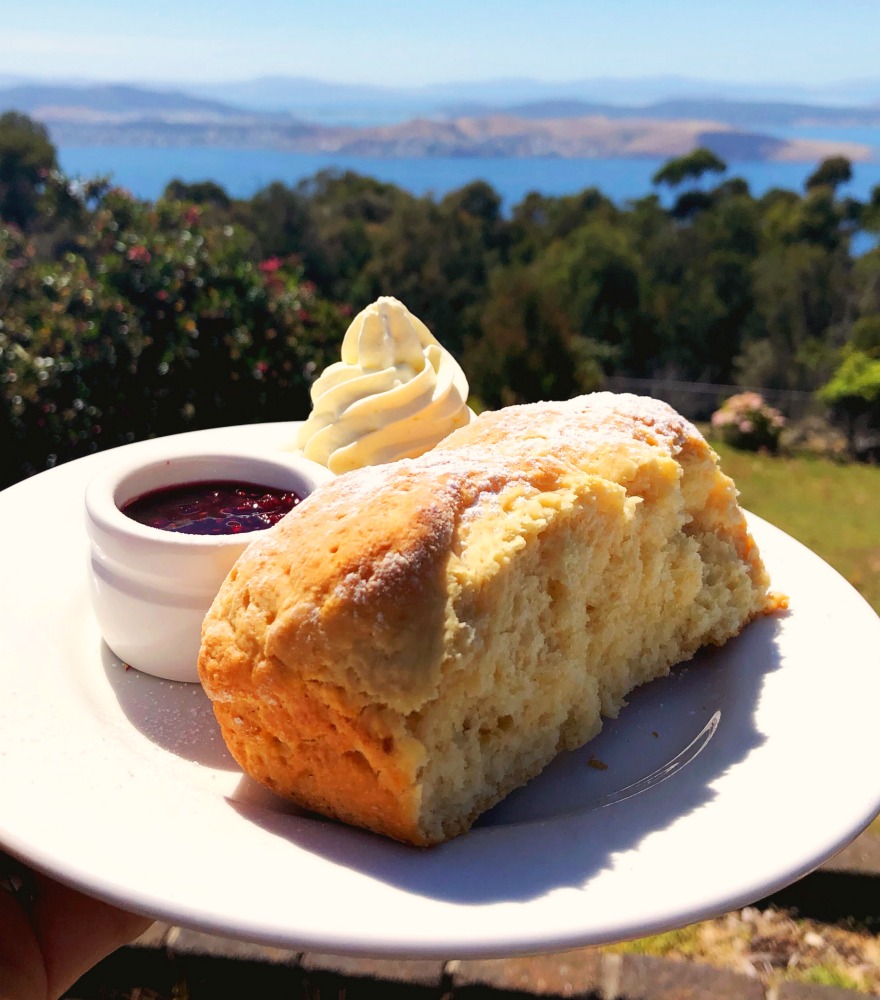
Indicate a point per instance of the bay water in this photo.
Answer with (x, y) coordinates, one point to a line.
(242, 172)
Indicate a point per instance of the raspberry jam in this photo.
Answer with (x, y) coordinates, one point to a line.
(217, 507)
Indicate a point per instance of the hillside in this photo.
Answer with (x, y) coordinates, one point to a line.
(111, 102)
(740, 114)
(114, 115)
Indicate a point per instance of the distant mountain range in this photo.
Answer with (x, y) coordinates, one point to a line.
(298, 95)
(741, 114)
(108, 102)
(500, 118)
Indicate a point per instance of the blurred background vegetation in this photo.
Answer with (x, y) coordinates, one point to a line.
(123, 319)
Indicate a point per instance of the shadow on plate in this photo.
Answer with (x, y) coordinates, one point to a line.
(175, 716)
(652, 766)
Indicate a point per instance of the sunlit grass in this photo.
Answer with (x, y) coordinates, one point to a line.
(825, 975)
(774, 947)
(834, 509)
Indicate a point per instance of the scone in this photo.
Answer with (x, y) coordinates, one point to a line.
(418, 639)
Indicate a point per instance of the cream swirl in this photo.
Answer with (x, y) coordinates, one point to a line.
(395, 394)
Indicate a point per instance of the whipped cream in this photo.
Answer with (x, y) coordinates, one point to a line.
(395, 394)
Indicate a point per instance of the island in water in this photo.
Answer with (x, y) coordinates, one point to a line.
(116, 115)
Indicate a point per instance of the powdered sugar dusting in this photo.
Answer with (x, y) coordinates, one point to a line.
(531, 445)
(513, 445)
(581, 426)
(459, 475)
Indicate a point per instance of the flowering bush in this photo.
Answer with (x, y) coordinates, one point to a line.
(746, 421)
(153, 322)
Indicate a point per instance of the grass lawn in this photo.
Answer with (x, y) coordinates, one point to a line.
(833, 509)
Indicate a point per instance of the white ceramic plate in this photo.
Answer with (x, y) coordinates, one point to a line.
(734, 776)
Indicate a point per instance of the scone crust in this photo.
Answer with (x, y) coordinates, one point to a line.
(329, 633)
(333, 633)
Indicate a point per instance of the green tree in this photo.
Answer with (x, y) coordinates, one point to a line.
(539, 220)
(853, 393)
(689, 167)
(439, 258)
(831, 172)
(407, 260)
(595, 276)
(281, 221)
(527, 350)
(869, 217)
(27, 160)
(198, 192)
(802, 294)
(865, 335)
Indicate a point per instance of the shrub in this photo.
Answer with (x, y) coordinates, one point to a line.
(156, 323)
(745, 421)
(853, 395)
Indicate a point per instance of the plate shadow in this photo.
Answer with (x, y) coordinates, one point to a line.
(649, 768)
(175, 716)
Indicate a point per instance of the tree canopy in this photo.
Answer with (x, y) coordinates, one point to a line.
(831, 172)
(691, 166)
(122, 318)
(27, 159)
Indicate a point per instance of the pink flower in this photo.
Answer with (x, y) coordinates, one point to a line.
(139, 255)
(270, 266)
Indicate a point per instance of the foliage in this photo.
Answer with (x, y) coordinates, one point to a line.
(831, 172)
(199, 193)
(157, 325)
(691, 166)
(855, 383)
(27, 159)
(802, 295)
(527, 349)
(865, 335)
(123, 319)
(745, 421)
(853, 394)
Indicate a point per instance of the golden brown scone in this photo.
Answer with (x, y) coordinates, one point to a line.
(418, 639)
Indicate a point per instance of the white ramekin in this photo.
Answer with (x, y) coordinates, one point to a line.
(151, 588)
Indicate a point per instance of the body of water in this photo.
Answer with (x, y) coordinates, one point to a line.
(242, 172)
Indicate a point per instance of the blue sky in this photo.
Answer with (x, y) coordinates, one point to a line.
(410, 43)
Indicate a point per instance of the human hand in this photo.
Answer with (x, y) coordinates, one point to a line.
(50, 934)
